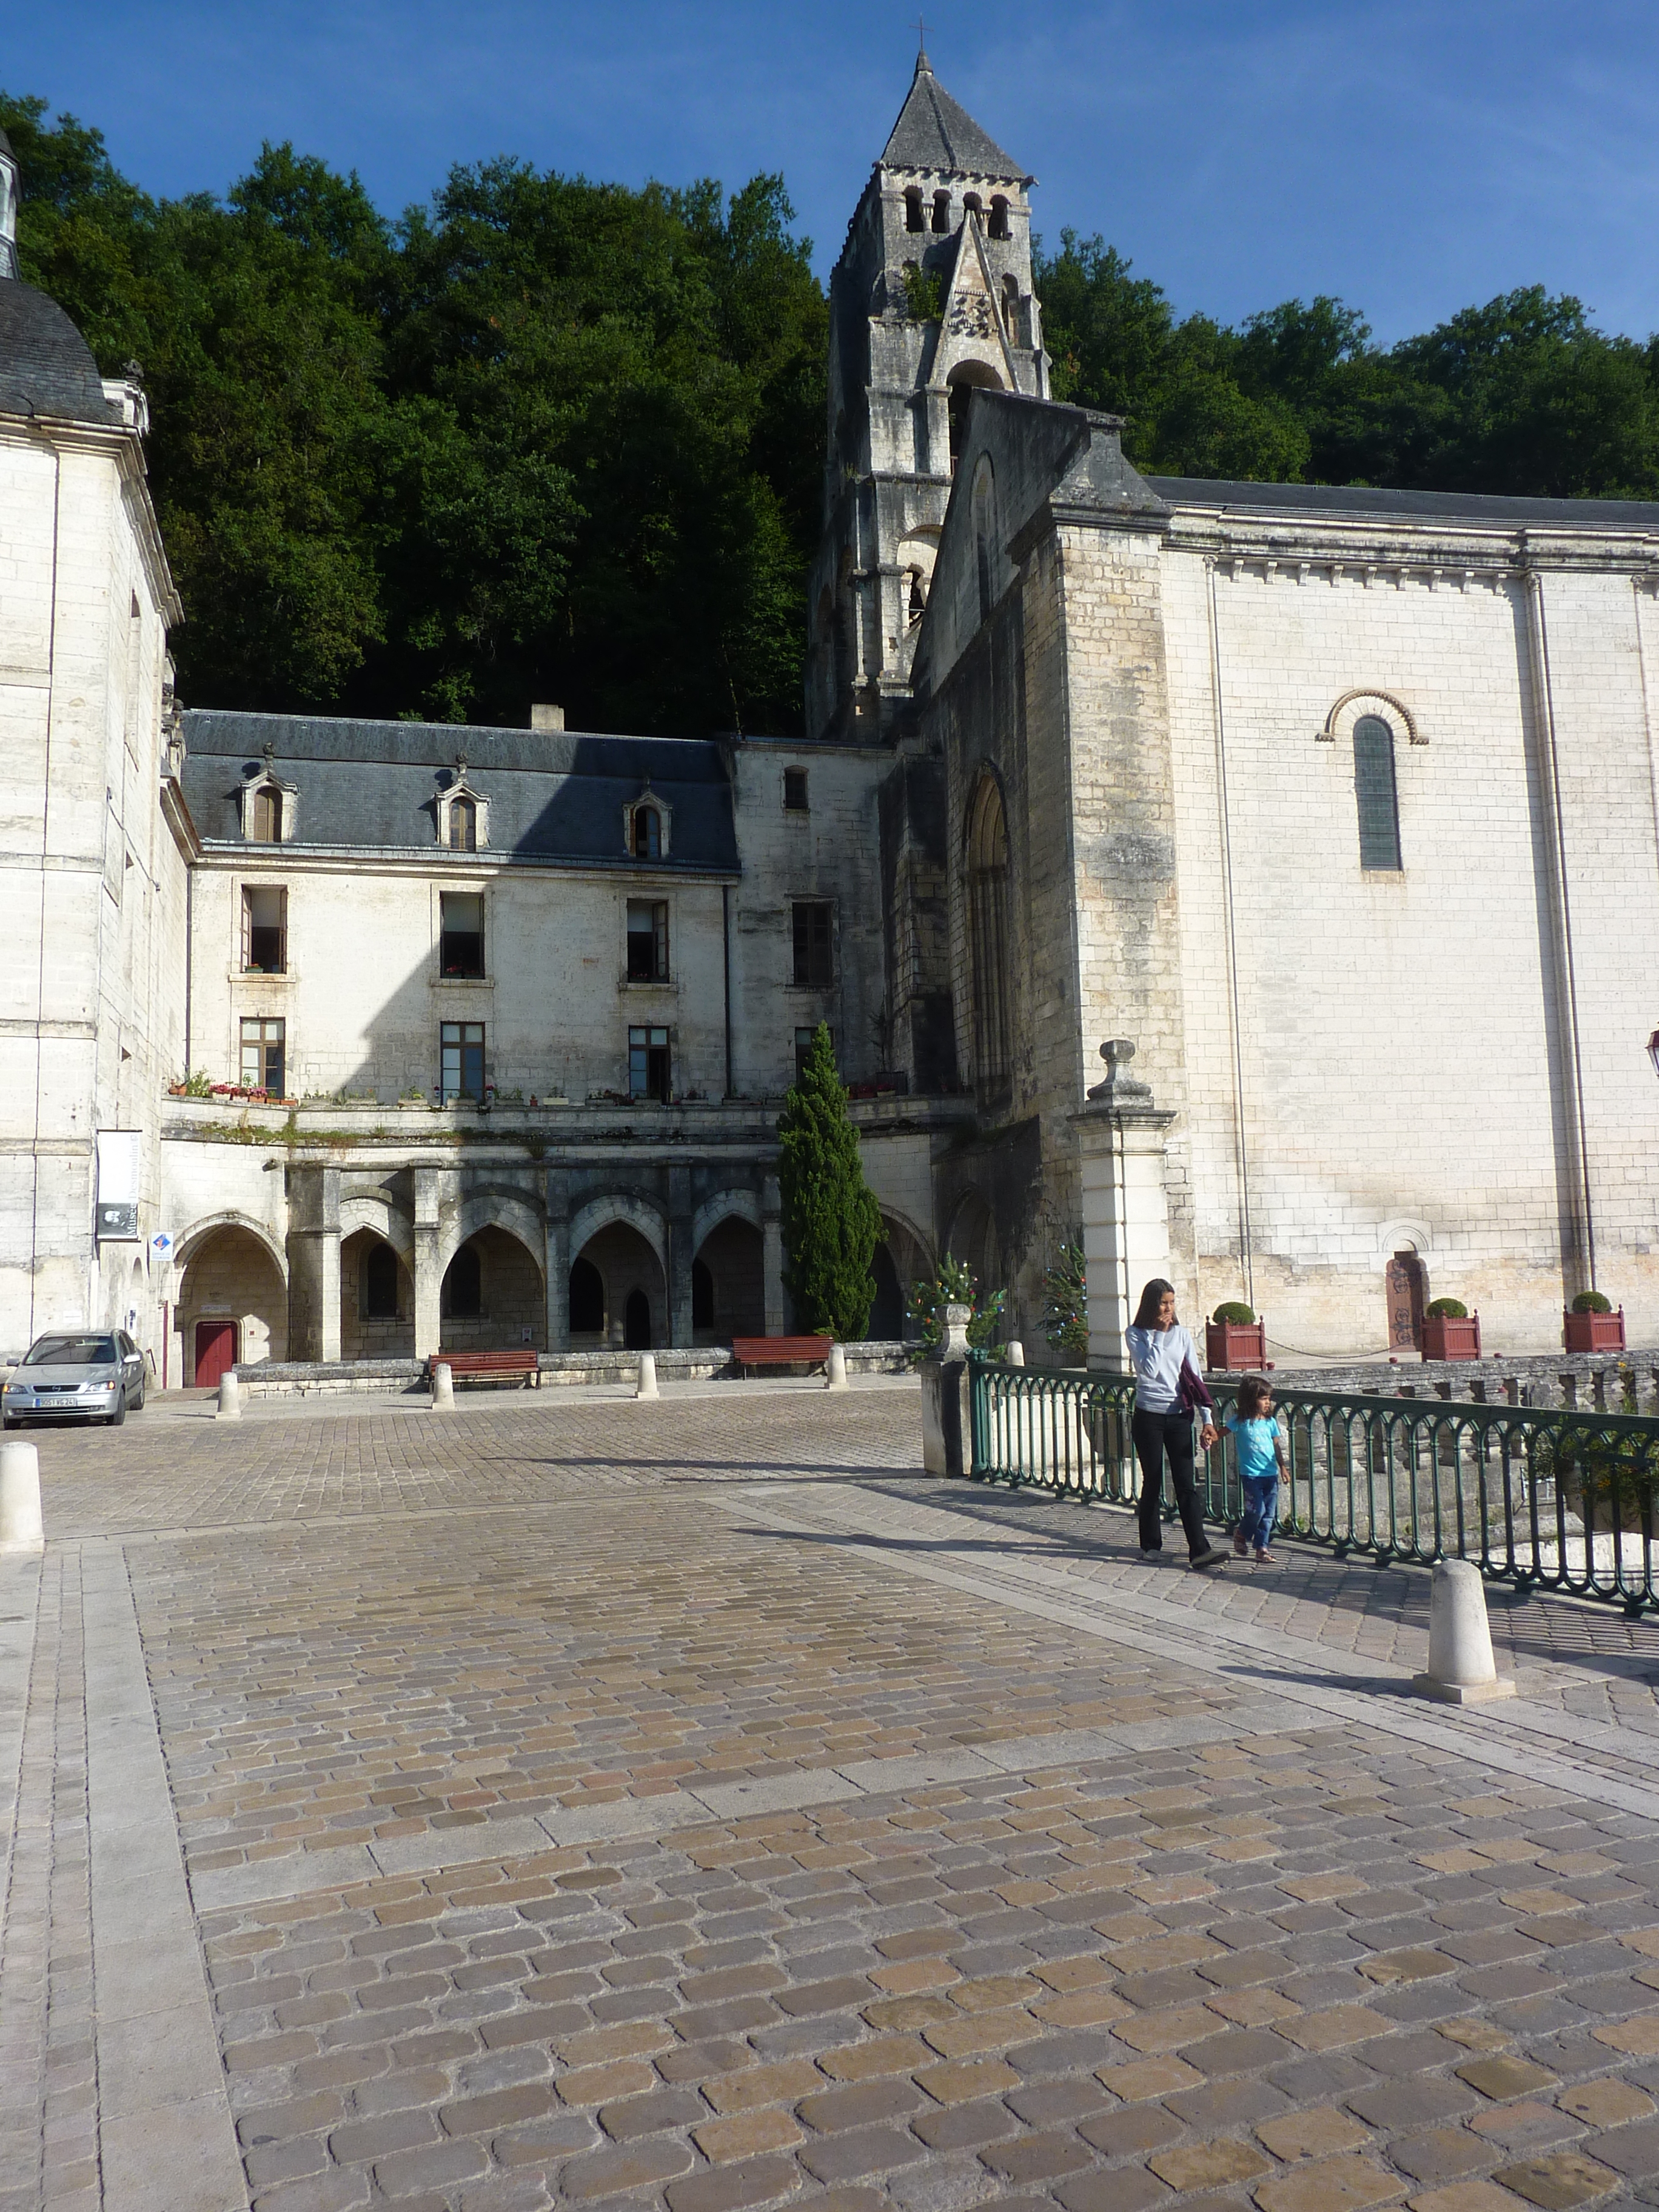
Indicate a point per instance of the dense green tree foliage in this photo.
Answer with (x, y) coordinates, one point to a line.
(831, 1219)
(548, 439)
(1522, 396)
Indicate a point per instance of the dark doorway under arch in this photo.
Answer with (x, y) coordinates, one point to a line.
(461, 1298)
(703, 1296)
(886, 1322)
(636, 1322)
(587, 1300)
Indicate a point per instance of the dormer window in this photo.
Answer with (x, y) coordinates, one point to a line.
(462, 815)
(646, 825)
(267, 806)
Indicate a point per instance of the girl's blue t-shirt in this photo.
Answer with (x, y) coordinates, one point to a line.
(1257, 1441)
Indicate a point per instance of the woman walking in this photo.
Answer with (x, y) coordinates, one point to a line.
(1168, 1389)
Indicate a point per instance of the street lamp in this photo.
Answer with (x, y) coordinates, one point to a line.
(1653, 1051)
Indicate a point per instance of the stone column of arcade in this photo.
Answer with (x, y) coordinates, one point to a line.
(429, 1275)
(680, 1255)
(772, 1255)
(313, 1253)
(559, 1257)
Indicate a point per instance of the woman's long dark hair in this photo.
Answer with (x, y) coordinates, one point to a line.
(1150, 1298)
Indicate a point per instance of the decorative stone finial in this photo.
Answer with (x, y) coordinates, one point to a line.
(1120, 1088)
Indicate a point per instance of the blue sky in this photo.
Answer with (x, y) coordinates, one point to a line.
(1412, 158)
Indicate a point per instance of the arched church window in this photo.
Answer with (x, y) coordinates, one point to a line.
(972, 204)
(1000, 215)
(647, 834)
(941, 211)
(962, 381)
(267, 816)
(987, 916)
(463, 825)
(914, 219)
(1011, 307)
(918, 597)
(1375, 793)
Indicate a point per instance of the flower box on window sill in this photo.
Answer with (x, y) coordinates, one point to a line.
(1233, 1344)
(1451, 1336)
(1593, 1332)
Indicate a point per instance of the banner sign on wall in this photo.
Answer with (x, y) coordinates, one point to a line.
(118, 1186)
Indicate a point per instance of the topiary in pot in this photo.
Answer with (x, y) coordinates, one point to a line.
(1450, 1331)
(1591, 1302)
(1591, 1325)
(1235, 1338)
(1449, 1309)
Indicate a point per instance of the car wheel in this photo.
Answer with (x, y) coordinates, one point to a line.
(10, 1423)
(138, 1402)
(120, 1412)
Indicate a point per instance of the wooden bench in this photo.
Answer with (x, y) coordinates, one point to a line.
(781, 1352)
(490, 1366)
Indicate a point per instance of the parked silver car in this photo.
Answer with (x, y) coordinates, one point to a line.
(76, 1378)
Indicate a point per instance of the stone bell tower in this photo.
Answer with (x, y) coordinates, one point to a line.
(931, 296)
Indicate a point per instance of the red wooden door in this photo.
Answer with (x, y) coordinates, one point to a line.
(1405, 1289)
(215, 1349)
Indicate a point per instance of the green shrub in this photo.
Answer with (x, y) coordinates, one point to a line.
(953, 1285)
(1449, 1309)
(1591, 1302)
(1234, 1310)
(1066, 1307)
(831, 1222)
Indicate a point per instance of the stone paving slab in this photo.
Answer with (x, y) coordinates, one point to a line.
(1046, 1915)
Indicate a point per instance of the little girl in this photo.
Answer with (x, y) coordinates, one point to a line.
(1260, 1462)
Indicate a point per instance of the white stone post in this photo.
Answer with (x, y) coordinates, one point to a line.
(647, 1384)
(836, 1369)
(1461, 1670)
(230, 1398)
(1126, 1216)
(20, 1526)
(1016, 1353)
(443, 1389)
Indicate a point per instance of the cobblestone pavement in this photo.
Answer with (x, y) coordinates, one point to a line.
(688, 1805)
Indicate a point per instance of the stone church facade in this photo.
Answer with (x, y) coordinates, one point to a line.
(1341, 806)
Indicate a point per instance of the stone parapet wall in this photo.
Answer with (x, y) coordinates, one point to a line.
(558, 1370)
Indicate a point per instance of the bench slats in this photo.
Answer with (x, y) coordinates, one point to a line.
(781, 1351)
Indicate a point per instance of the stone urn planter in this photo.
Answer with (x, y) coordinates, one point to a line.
(1593, 1332)
(1234, 1342)
(1451, 1336)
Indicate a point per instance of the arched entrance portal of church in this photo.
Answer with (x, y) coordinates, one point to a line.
(377, 1300)
(728, 1282)
(492, 1298)
(1407, 1287)
(232, 1304)
(617, 1295)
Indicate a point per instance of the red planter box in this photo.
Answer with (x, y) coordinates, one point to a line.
(1236, 1344)
(1593, 1332)
(1447, 1338)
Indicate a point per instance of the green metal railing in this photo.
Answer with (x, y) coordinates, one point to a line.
(1559, 1499)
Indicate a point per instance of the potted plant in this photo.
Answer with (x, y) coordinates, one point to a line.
(1450, 1331)
(1233, 1337)
(1591, 1324)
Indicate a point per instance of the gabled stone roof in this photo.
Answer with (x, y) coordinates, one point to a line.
(46, 364)
(932, 133)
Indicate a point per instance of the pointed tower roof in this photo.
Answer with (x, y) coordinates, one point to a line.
(933, 133)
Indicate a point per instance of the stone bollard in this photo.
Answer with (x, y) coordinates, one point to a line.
(946, 1422)
(230, 1398)
(443, 1389)
(647, 1386)
(836, 1369)
(1461, 1670)
(20, 1528)
(1016, 1353)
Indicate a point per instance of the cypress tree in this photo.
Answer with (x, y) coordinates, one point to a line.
(831, 1219)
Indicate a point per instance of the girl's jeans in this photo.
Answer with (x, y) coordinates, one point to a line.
(1260, 1510)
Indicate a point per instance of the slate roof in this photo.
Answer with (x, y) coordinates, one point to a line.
(933, 133)
(46, 364)
(1418, 506)
(555, 796)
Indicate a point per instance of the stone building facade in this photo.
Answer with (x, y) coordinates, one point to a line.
(1342, 806)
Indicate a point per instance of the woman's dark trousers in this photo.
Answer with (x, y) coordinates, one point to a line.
(1155, 1434)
